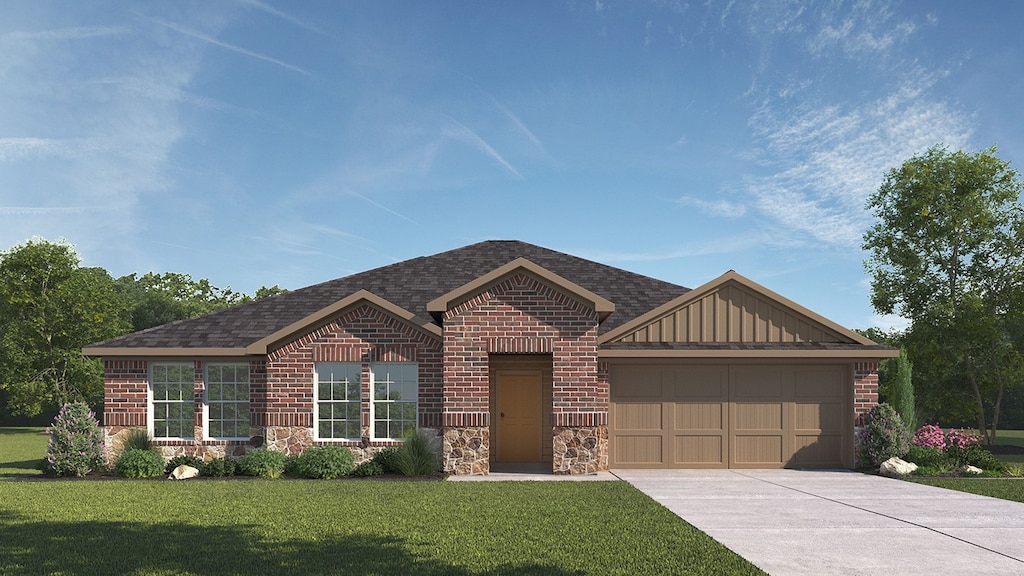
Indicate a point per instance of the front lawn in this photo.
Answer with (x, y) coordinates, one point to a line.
(1004, 488)
(349, 526)
(21, 451)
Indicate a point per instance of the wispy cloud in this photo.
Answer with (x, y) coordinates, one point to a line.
(76, 33)
(705, 247)
(828, 159)
(14, 149)
(231, 47)
(520, 127)
(279, 14)
(867, 28)
(457, 131)
(383, 207)
(41, 210)
(722, 208)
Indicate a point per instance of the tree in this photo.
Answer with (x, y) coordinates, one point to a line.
(901, 390)
(50, 307)
(161, 298)
(948, 253)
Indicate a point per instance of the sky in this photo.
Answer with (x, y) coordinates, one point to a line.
(263, 142)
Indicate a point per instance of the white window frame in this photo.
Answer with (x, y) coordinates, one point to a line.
(207, 402)
(356, 367)
(384, 367)
(152, 401)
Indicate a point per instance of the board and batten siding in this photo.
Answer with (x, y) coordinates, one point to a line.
(733, 314)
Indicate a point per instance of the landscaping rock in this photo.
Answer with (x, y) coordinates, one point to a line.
(896, 467)
(183, 472)
(970, 470)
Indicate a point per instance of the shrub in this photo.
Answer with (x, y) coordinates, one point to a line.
(264, 463)
(973, 455)
(218, 467)
(930, 436)
(961, 439)
(925, 456)
(76, 442)
(902, 391)
(368, 468)
(324, 462)
(883, 437)
(419, 455)
(386, 459)
(137, 439)
(192, 461)
(137, 463)
(291, 465)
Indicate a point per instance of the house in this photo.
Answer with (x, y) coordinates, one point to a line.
(516, 355)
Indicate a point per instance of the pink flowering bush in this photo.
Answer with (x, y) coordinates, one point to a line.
(76, 442)
(932, 436)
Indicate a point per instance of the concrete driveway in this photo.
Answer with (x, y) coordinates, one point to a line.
(797, 522)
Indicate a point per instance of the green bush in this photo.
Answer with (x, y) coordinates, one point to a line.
(974, 455)
(137, 463)
(368, 468)
(386, 459)
(193, 461)
(218, 467)
(420, 455)
(137, 439)
(324, 462)
(291, 465)
(925, 456)
(264, 463)
(884, 436)
(76, 442)
(902, 391)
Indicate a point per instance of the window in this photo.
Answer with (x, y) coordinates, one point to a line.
(338, 397)
(227, 401)
(172, 388)
(395, 391)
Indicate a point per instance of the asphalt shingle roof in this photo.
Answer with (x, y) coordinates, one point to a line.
(410, 284)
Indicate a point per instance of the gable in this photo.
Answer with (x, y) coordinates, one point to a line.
(732, 310)
(468, 292)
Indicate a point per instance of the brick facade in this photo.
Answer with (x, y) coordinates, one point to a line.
(865, 389)
(515, 319)
(519, 314)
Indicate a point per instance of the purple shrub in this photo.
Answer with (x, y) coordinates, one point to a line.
(76, 442)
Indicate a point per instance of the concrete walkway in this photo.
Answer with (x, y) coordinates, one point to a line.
(795, 522)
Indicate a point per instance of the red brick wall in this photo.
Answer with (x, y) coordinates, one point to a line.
(865, 389)
(365, 334)
(125, 392)
(523, 315)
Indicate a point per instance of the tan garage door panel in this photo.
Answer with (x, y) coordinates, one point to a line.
(739, 416)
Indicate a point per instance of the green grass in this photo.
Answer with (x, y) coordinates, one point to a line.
(1014, 438)
(1005, 489)
(337, 527)
(21, 450)
(1011, 437)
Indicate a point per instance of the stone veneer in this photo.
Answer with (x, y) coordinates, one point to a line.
(466, 450)
(580, 450)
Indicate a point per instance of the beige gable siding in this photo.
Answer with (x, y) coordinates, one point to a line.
(733, 313)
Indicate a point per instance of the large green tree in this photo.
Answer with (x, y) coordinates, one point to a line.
(947, 252)
(161, 298)
(51, 306)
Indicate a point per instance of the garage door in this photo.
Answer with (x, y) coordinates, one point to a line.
(729, 416)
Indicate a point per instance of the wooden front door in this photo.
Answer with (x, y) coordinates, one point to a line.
(518, 407)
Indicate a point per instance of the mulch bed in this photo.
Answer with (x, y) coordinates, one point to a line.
(1005, 449)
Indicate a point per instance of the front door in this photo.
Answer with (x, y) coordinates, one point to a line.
(518, 407)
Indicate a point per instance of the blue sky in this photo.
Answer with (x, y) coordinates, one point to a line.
(262, 142)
